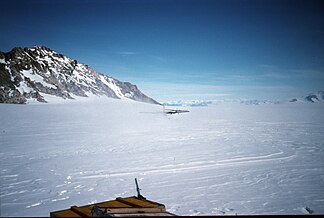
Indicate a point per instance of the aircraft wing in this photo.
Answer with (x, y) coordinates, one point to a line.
(170, 111)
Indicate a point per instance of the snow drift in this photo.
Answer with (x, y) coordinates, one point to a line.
(222, 159)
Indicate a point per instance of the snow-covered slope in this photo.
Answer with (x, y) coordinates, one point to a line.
(26, 74)
(222, 159)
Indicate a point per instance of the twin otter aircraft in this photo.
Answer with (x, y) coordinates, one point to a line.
(173, 111)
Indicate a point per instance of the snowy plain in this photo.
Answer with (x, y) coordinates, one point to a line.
(226, 158)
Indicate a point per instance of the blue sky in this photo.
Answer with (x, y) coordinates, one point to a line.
(182, 50)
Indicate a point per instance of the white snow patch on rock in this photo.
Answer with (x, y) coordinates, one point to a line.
(37, 78)
(112, 85)
(3, 61)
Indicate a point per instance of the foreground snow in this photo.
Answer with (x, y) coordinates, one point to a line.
(221, 159)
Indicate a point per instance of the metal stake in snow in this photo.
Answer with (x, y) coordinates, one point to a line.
(138, 190)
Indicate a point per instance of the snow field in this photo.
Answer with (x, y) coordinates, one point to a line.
(222, 159)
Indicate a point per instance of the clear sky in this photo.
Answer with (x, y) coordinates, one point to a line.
(182, 49)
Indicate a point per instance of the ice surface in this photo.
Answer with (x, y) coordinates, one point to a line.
(226, 158)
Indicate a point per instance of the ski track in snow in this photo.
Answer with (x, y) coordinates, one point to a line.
(215, 160)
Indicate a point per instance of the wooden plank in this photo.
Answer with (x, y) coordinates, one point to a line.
(136, 210)
(156, 203)
(142, 214)
(84, 212)
(135, 202)
(112, 204)
(64, 213)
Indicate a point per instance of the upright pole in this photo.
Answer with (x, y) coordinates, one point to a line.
(138, 190)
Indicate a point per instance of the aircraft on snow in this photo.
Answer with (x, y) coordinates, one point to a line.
(174, 111)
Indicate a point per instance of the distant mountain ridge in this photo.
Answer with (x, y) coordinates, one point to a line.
(312, 97)
(29, 73)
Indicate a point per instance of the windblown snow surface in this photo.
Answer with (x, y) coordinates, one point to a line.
(226, 158)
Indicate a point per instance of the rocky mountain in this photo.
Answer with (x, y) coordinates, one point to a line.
(34, 73)
(313, 97)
